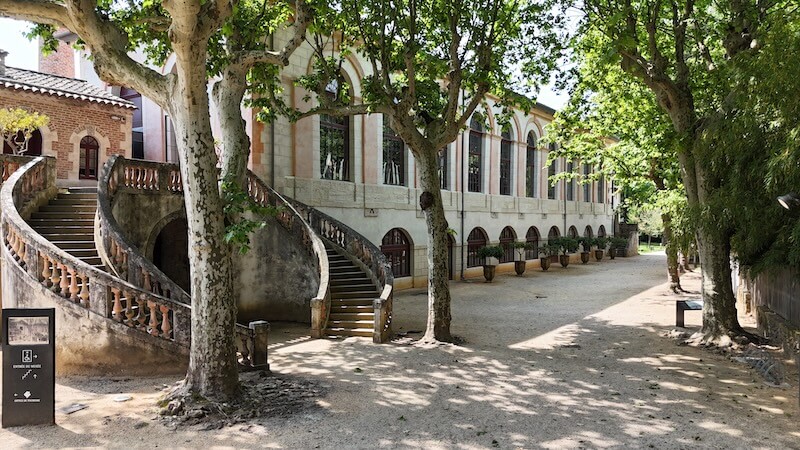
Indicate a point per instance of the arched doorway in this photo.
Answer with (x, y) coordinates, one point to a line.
(532, 239)
(553, 233)
(171, 252)
(477, 238)
(87, 166)
(397, 248)
(507, 239)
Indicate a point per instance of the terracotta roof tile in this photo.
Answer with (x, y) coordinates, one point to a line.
(28, 80)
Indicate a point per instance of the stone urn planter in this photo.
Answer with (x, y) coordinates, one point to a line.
(602, 243)
(598, 255)
(520, 263)
(519, 267)
(584, 257)
(490, 255)
(563, 260)
(545, 263)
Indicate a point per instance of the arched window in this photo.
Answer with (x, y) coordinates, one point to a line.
(532, 239)
(573, 232)
(397, 248)
(551, 172)
(475, 179)
(553, 233)
(334, 143)
(587, 185)
(507, 239)
(33, 148)
(87, 167)
(476, 239)
(505, 162)
(443, 168)
(601, 232)
(570, 182)
(394, 157)
(587, 232)
(530, 166)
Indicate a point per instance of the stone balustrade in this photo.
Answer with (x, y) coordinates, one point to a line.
(65, 277)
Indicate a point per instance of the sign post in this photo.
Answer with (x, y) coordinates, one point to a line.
(29, 382)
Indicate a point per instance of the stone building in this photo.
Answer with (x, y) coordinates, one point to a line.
(87, 123)
(494, 178)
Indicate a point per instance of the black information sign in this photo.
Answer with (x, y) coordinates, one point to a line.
(29, 369)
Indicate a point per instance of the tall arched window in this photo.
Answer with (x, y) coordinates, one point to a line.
(334, 142)
(570, 182)
(530, 166)
(532, 239)
(394, 157)
(587, 185)
(397, 248)
(551, 172)
(505, 162)
(475, 179)
(601, 190)
(507, 239)
(601, 232)
(476, 239)
(87, 167)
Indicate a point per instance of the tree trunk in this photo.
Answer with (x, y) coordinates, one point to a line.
(228, 95)
(438, 327)
(671, 250)
(213, 371)
(719, 303)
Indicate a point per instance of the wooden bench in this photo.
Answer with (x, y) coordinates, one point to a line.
(686, 305)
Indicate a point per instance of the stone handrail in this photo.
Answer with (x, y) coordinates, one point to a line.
(11, 163)
(149, 315)
(293, 221)
(367, 255)
(122, 257)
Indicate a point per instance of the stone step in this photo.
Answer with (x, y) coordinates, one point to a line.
(93, 261)
(63, 215)
(355, 295)
(82, 252)
(339, 316)
(352, 301)
(67, 208)
(66, 229)
(64, 245)
(35, 223)
(363, 332)
(68, 237)
(352, 324)
(351, 309)
(363, 281)
(363, 288)
(343, 264)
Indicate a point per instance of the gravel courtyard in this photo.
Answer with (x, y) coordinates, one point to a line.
(570, 358)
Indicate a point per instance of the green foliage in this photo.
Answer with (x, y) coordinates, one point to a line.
(565, 245)
(601, 242)
(491, 251)
(17, 126)
(619, 243)
(520, 247)
(238, 207)
(549, 249)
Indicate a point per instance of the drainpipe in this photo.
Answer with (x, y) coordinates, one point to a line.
(463, 192)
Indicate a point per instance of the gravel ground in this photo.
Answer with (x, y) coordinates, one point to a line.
(570, 358)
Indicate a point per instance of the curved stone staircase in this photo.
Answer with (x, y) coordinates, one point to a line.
(64, 248)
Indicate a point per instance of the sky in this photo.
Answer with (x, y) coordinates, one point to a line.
(23, 54)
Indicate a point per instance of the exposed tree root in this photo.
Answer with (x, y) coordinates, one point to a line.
(263, 395)
(732, 340)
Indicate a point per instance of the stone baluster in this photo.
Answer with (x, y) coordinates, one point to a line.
(46, 271)
(73, 286)
(141, 309)
(245, 350)
(146, 281)
(54, 278)
(154, 329)
(166, 327)
(129, 309)
(117, 308)
(84, 294)
(64, 281)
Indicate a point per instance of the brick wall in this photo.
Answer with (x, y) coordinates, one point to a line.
(61, 62)
(70, 118)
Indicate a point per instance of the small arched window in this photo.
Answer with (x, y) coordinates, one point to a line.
(507, 239)
(477, 238)
(573, 232)
(505, 161)
(587, 232)
(587, 184)
(551, 172)
(87, 167)
(532, 239)
(475, 179)
(397, 248)
(601, 232)
(553, 233)
(530, 166)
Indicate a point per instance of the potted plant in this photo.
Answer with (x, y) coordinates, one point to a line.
(520, 263)
(619, 245)
(586, 245)
(601, 242)
(566, 245)
(546, 251)
(490, 255)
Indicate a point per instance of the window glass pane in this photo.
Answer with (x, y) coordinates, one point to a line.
(394, 157)
(505, 167)
(530, 167)
(334, 147)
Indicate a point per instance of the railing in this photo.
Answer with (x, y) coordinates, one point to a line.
(73, 280)
(293, 220)
(11, 163)
(368, 255)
